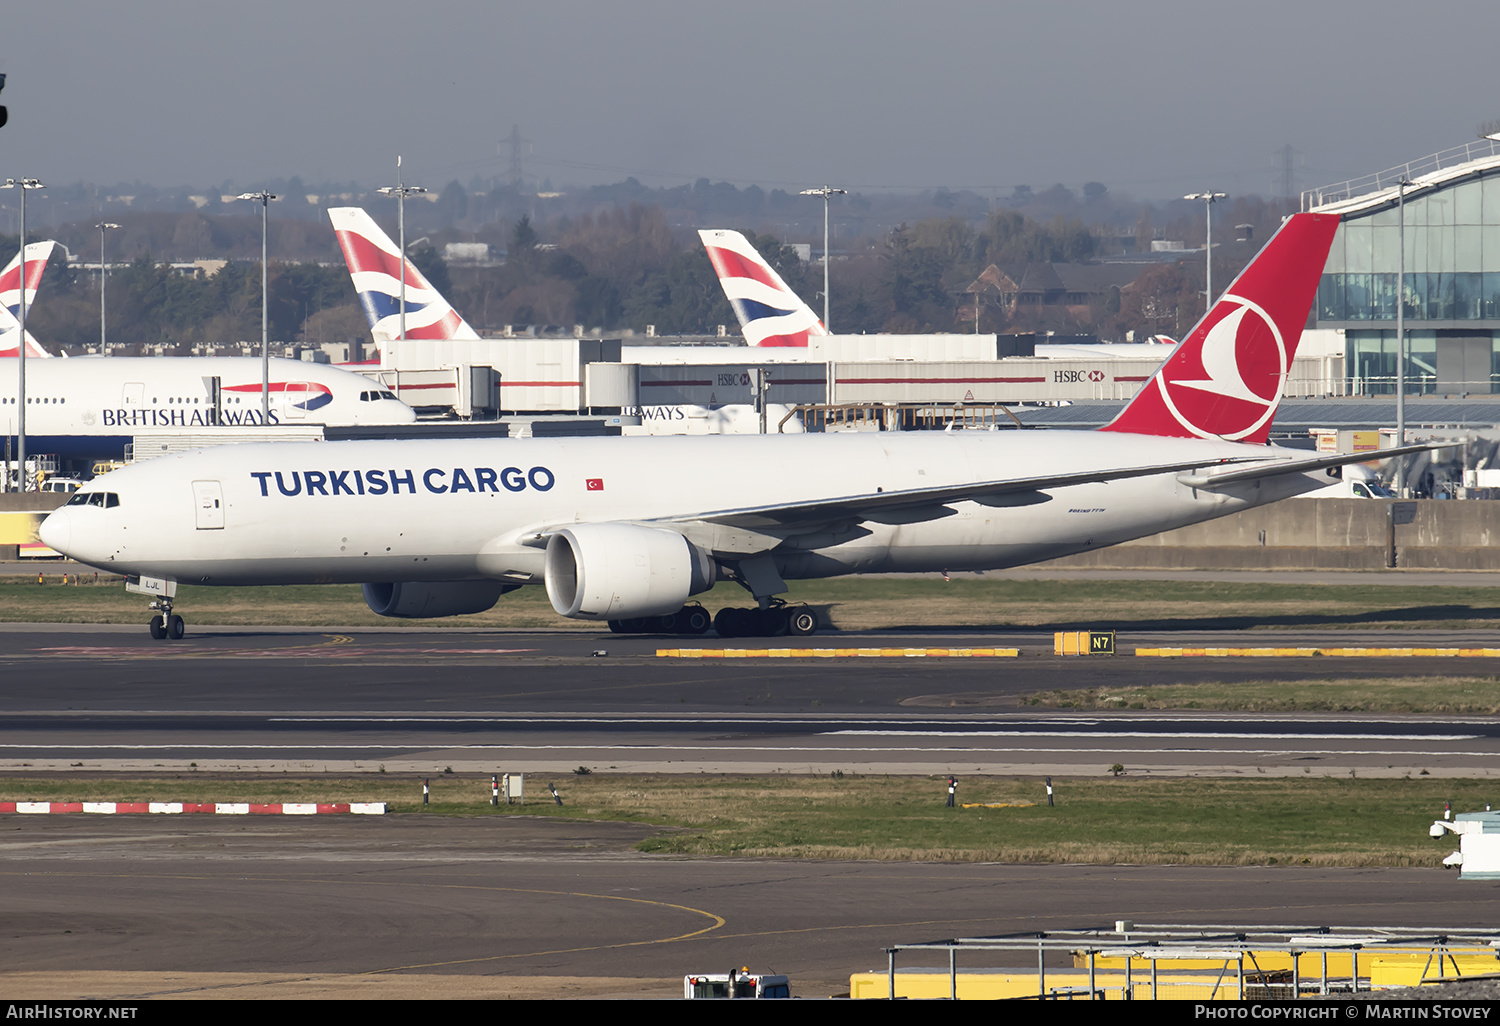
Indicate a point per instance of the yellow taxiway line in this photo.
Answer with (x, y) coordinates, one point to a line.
(836, 653)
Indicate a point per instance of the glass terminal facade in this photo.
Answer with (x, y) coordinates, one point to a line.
(1452, 283)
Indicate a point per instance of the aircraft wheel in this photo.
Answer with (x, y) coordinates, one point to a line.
(175, 627)
(801, 622)
(638, 624)
(695, 620)
(158, 628)
(669, 624)
(617, 627)
(767, 623)
(729, 622)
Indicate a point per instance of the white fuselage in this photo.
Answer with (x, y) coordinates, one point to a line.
(470, 509)
(93, 405)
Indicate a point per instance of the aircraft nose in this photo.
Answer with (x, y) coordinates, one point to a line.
(56, 531)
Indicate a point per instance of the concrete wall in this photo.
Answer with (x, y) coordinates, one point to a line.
(16, 502)
(1337, 534)
(14, 521)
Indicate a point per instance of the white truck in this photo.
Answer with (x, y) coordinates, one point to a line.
(737, 983)
(1357, 481)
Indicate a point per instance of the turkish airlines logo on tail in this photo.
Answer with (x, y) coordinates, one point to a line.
(1226, 377)
(1243, 363)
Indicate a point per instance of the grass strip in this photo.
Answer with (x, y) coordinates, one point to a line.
(1472, 696)
(850, 603)
(1251, 820)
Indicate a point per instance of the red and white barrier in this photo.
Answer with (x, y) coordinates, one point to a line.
(218, 808)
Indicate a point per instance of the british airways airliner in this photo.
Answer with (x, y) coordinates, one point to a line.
(627, 530)
(94, 406)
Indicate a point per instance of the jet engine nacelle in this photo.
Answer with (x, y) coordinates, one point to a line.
(621, 571)
(419, 600)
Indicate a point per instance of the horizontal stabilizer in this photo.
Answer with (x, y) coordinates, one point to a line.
(1277, 468)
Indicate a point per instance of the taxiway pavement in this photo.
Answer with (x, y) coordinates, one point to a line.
(348, 907)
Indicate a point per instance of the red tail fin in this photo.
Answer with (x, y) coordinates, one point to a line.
(1225, 379)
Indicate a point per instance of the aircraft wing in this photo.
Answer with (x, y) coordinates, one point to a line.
(881, 506)
(1229, 475)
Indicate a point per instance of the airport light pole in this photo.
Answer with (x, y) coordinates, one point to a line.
(1208, 198)
(103, 273)
(826, 192)
(400, 190)
(264, 199)
(23, 184)
(1401, 311)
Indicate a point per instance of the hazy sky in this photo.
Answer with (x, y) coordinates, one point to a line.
(1152, 98)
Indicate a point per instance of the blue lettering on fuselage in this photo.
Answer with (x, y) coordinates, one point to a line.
(141, 417)
(436, 480)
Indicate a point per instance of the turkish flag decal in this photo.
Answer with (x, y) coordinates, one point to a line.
(595, 484)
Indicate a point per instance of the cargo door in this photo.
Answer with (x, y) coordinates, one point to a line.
(208, 497)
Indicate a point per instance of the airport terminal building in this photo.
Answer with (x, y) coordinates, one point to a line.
(1451, 223)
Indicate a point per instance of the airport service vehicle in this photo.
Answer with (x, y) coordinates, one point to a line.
(95, 406)
(737, 983)
(1356, 481)
(37, 254)
(626, 530)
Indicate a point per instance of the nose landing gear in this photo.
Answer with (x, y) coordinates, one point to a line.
(166, 625)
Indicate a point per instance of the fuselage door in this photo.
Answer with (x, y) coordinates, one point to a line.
(133, 393)
(297, 394)
(208, 497)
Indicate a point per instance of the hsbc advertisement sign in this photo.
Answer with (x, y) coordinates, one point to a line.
(1008, 380)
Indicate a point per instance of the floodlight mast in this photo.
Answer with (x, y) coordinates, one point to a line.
(103, 272)
(1209, 199)
(826, 191)
(264, 199)
(400, 190)
(1401, 187)
(23, 184)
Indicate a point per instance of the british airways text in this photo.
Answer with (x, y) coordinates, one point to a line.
(207, 417)
(437, 480)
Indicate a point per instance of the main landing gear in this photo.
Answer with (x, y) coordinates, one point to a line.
(775, 621)
(692, 619)
(166, 624)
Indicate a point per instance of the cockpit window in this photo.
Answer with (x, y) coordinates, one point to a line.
(108, 500)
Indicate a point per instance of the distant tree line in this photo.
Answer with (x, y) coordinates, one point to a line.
(620, 267)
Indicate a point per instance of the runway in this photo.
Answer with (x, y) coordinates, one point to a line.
(422, 701)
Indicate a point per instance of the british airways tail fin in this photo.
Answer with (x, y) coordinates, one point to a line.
(1224, 380)
(375, 265)
(770, 313)
(37, 255)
